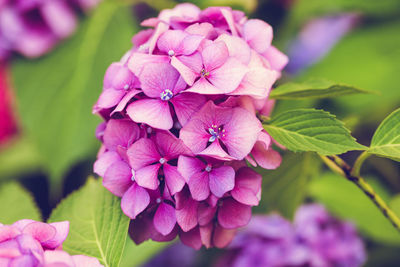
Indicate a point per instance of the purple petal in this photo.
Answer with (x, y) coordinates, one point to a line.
(248, 187)
(120, 133)
(222, 237)
(134, 201)
(214, 55)
(157, 77)
(199, 186)
(258, 34)
(186, 104)
(118, 178)
(191, 238)
(206, 213)
(156, 113)
(59, 17)
(233, 214)
(147, 177)
(164, 218)
(142, 153)
(173, 179)
(222, 180)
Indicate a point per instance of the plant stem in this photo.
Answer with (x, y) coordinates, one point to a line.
(334, 162)
(357, 165)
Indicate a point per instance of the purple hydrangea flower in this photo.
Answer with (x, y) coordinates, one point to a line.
(35, 244)
(180, 121)
(314, 239)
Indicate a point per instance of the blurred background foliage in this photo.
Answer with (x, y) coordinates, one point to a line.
(55, 146)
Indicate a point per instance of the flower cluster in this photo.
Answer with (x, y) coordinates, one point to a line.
(30, 243)
(314, 239)
(180, 112)
(32, 28)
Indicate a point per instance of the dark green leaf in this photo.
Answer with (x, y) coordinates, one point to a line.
(314, 88)
(98, 227)
(311, 130)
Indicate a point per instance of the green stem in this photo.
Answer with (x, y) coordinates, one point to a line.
(334, 162)
(359, 161)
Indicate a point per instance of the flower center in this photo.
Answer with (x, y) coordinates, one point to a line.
(162, 160)
(215, 132)
(204, 73)
(158, 200)
(166, 95)
(171, 53)
(208, 168)
(126, 87)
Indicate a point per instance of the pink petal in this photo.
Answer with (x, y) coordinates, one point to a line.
(276, 58)
(222, 180)
(57, 258)
(170, 146)
(264, 155)
(216, 151)
(40, 231)
(59, 17)
(191, 238)
(199, 186)
(241, 133)
(171, 40)
(187, 73)
(205, 213)
(214, 55)
(109, 98)
(247, 187)
(222, 237)
(118, 178)
(233, 214)
(82, 260)
(142, 153)
(120, 133)
(164, 218)
(62, 229)
(186, 215)
(204, 29)
(104, 162)
(134, 201)
(8, 232)
(191, 43)
(156, 113)
(194, 62)
(147, 177)
(228, 77)
(258, 34)
(188, 166)
(186, 104)
(138, 60)
(203, 86)
(206, 233)
(237, 48)
(157, 77)
(173, 179)
(227, 13)
(141, 37)
(160, 29)
(125, 100)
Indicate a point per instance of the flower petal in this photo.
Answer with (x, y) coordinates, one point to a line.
(118, 178)
(191, 238)
(134, 201)
(153, 112)
(187, 166)
(186, 215)
(169, 146)
(248, 186)
(120, 133)
(186, 104)
(199, 186)
(258, 34)
(138, 60)
(276, 58)
(237, 47)
(171, 40)
(214, 55)
(62, 229)
(147, 177)
(233, 214)
(109, 98)
(228, 77)
(222, 180)
(164, 218)
(157, 77)
(142, 153)
(40, 231)
(173, 179)
(187, 73)
(222, 237)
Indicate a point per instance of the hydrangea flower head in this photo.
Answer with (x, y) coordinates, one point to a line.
(180, 124)
(315, 238)
(30, 243)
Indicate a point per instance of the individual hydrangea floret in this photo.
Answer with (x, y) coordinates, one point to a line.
(181, 124)
(30, 243)
(315, 239)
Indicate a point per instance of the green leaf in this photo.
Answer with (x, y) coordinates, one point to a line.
(285, 188)
(98, 227)
(346, 200)
(311, 130)
(386, 140)
(314, 88)
(56, 92)
(16, 204)
(137, 255)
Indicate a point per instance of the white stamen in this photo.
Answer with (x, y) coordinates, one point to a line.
(171, 53)
(166, 95)
(158, 200)
(162, 160)
(126, 87)
(133, 175)
(208, 168)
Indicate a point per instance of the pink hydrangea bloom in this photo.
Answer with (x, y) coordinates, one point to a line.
(181, 122)
(29, 243)
(32, 27)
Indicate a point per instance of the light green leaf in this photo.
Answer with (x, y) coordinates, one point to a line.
(311, 130)
(346, 200)
(314, 88)
(16, 204)
(56, 93)
(285, 188)
(386, 140)
(98, 227)
(136, 255)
